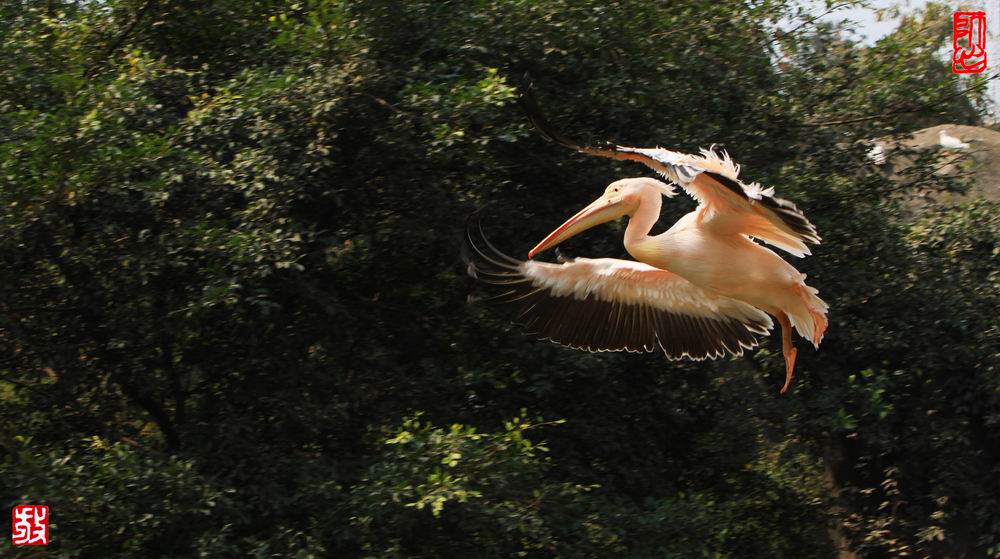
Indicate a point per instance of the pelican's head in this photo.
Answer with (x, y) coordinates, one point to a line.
(621, 198)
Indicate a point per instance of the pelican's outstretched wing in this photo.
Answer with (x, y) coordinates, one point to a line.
(606, 304)
(713, 180)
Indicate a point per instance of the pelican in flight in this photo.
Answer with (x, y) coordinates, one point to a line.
(702, 289)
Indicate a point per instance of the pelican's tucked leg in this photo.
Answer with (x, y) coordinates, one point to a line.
(787, 349)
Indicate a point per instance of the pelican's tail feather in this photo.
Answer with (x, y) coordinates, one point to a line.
(809, 317)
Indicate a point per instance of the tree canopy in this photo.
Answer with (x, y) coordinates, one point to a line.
(234, 318)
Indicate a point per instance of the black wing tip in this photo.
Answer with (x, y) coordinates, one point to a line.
(677, 336)
(590, 348)
(730, 184)
(485, 262)
(534, 112)
(791, 215)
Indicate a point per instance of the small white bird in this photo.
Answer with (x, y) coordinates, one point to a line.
(877, 154)
(950, 142)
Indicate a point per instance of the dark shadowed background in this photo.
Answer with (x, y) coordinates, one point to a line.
(234, 317)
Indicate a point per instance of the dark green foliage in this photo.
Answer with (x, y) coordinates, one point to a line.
(234, 317)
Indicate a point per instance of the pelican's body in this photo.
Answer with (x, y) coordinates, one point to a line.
(722, 260)
(730, 265)
(724, 263)
(701, 289)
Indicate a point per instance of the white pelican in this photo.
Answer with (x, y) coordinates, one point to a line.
(699, 290)
(948, 141)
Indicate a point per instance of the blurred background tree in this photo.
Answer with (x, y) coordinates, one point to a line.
(233, 316)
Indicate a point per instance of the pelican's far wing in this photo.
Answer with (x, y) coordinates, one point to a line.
(606, 304)
(731, 205)
(712, 179)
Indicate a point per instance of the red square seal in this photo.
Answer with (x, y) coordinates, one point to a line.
(29, 525)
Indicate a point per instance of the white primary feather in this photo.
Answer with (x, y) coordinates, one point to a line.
(635, 283)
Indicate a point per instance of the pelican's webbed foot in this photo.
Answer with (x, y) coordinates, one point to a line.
(787, 349)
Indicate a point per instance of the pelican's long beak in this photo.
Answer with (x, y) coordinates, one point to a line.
(602, 210)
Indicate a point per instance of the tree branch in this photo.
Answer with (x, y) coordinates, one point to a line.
(154, 409)
(121, 38)
(91, 315)
(900, 110)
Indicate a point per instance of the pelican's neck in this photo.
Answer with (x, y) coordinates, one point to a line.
(639, 225)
